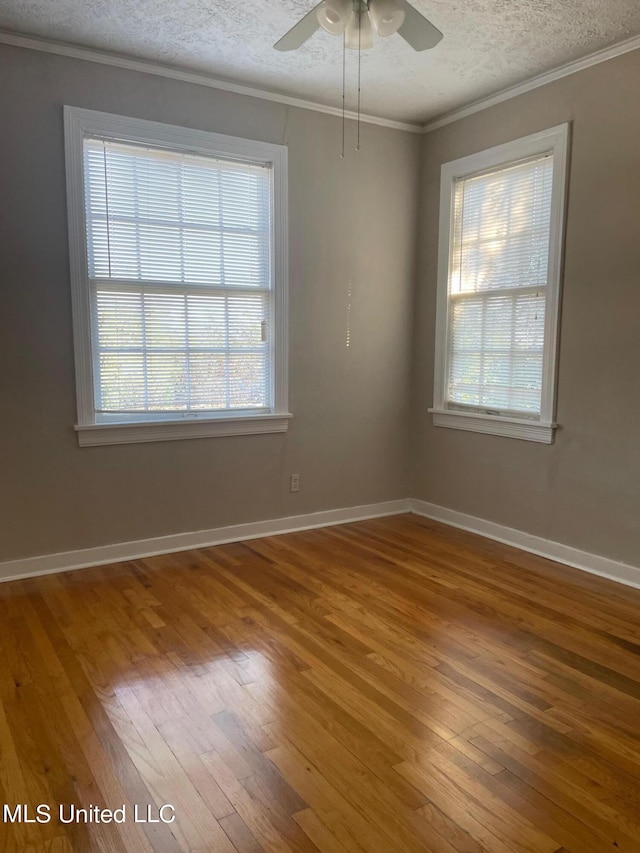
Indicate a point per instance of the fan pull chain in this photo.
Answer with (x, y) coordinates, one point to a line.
(344, 85)
(359, 66)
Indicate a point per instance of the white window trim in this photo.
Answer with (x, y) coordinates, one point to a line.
(79, 123)
(555, 140)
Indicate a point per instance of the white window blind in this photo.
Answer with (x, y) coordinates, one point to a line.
(497, 288)
(179, 252)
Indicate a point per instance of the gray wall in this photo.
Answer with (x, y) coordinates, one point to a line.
(361, 433)
(353, 223)
(584, 490)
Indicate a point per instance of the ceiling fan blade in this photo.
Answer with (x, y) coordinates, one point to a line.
(299, 33)
(417, 30)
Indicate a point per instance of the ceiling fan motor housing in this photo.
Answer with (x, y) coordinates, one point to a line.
(355, 18)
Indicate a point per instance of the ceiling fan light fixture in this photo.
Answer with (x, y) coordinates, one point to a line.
(387, 16)
(334, 15)
(359, 32)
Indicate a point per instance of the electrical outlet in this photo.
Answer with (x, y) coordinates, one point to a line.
(294, 482)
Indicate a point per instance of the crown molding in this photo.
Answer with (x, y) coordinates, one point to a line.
(147, 67)
(596, 58)
(89, 54)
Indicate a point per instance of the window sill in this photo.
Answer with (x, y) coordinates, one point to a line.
(541, 432)
(91, 435)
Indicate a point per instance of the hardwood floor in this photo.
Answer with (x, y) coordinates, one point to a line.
(390, 686)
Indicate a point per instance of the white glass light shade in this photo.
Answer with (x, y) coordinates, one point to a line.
(387, 16)
(359, 33)
(333, 15)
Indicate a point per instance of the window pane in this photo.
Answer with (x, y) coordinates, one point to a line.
(501, 230)
(122, 382)
(155, 215)
(180, 352)
(165, 232)
(120, 320)
(496, 351)
(497, 287)
(208, 380)
(166, 381)
(246, 380)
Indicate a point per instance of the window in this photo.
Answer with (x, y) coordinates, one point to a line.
(501, 231)
(178, 251)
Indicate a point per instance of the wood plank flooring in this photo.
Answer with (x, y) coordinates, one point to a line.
(390, 686)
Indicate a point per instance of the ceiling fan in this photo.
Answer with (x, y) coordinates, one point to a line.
(357, 19)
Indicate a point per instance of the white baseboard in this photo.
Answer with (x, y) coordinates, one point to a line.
(102, 555)
(587, 562)
(105, 554)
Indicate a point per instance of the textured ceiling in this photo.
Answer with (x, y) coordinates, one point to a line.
(488, 44)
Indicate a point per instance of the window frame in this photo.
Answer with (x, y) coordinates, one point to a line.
(555, 140)
(80, 123)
